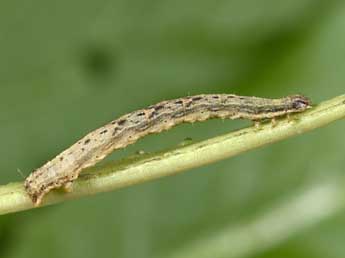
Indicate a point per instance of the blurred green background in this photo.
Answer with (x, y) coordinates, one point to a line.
(68, 67)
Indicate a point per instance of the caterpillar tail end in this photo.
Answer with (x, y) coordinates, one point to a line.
(35, 196)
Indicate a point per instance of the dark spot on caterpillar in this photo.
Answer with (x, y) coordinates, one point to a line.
(153, 114)
(51, 183)
(196, 98)
(189, 104)
(177, 114)
(82, 149)
(158, 107)
(180, 102)
(87, 141)
(230, 96)
(114, 122)
(215, 97)
(103, 132)
(141, 114)
(121, 122)
(61, 158)
(116, 129)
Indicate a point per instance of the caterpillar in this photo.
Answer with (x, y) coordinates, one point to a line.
(62, 170)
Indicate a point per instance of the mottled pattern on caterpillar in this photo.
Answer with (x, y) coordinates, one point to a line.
(95, 146)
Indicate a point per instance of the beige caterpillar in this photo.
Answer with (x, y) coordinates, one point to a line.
(95, 146)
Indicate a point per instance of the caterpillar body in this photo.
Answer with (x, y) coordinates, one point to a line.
(95, 146)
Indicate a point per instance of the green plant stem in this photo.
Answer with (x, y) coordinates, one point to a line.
(137, 170)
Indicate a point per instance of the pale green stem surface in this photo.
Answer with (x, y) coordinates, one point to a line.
(137, 170)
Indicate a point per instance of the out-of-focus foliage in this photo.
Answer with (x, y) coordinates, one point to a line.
(67, 67)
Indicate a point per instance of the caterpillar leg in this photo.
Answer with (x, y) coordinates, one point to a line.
(291, 119)
(288, 116)
(273, 122)
(257, 125)
(68, 187)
